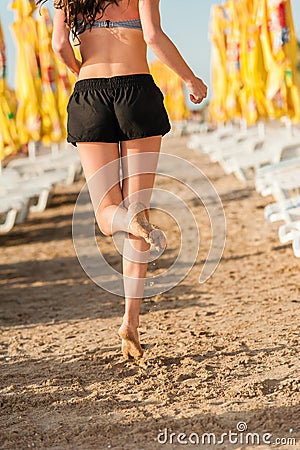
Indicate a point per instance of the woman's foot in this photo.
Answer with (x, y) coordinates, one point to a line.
(131, 346)
(139, 226)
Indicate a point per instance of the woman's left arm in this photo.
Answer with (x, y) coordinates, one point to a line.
(61, 42)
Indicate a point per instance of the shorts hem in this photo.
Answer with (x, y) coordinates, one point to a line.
(126, 138)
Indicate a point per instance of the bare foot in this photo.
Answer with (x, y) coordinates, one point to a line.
(139, 226)
(130, 342)
(157, 238)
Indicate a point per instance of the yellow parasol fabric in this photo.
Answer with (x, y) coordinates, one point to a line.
(43, 82)
(65, 83)
(233, 66)
(280, 54)
(172, 87)
(28, 80)
(2, 62)
(52, 126)
(261, 57)
(9, 141)
(253, 73)
(217, 107)
(291, 74)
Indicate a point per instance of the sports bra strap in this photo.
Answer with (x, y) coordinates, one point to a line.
(134, 24)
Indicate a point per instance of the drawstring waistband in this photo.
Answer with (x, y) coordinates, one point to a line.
(113, 82)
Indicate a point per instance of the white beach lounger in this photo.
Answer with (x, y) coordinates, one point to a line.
(36, 189)
(242, 143)
(291, 232)
(285, 185)
(287, 210)
(205, 141)
(63, 160)
(270, 152)
(7, 220)
(13, 209)
(265, 175)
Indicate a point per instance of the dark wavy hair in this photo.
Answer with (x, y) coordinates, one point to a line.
(88, 9)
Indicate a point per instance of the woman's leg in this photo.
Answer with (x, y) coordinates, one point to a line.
(138, 179)
(104, 185)
(111, 213)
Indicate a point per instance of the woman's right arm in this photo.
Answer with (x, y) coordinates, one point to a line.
(61, 43)
(166, 51)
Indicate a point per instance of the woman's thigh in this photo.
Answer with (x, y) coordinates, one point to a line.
(139, 168)
(101, 166)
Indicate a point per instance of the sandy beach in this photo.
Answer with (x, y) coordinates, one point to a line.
(216, 354)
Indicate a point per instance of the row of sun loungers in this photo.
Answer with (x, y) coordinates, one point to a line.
(270, 157)
(26, 184)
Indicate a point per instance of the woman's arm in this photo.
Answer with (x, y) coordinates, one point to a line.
(61, 43)
(166, 51)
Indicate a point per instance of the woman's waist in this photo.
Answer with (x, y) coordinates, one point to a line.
(112, 69)
(115, 82)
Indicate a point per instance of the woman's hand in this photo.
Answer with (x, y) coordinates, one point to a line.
(166, 51)
(197, 89)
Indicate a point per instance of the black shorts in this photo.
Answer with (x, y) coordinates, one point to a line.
(116, 109)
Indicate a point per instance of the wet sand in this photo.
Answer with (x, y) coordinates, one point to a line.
(216, 354)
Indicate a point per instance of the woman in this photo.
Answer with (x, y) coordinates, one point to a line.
(117, 110)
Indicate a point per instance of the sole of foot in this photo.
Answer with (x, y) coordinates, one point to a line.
(131, 347)
(158, 239)
(139, 226)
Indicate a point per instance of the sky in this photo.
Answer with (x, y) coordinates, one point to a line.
(187, 27)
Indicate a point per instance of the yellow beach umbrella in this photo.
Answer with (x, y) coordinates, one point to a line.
(2, 62)
(270, 37)
(172, 87)
(217, 106)
(51, 123)
(64, 87)
(291, 51)
(65, 82)
(28, 80)
(279, 49)
(57, 83)
(253, 74)
(260, 78)
(9, 141)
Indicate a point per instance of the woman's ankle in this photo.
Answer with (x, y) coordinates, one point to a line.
(130, 322)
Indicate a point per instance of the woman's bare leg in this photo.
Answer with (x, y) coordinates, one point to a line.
(136, 188)
(104, 185)
(113, 213)
(106, 195)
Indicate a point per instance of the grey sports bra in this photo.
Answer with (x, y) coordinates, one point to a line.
(134, 24)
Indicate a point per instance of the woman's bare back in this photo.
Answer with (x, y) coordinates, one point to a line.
(108, 52)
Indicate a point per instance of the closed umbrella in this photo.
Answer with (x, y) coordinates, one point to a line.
(172, 87)
(51, 130)
(279, 49)
(253, 73)
(217, 106)
(28, 79)
(261, 58)
(64, 86)
(291, 51)
(9, 141)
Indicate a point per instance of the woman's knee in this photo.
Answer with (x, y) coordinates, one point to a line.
(103, 217)
(104, 228)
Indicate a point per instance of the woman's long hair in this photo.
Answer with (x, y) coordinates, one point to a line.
(87, 9)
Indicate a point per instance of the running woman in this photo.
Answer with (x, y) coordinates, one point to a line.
(116, 110)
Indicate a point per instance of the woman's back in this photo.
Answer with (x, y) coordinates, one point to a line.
(110, 51)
